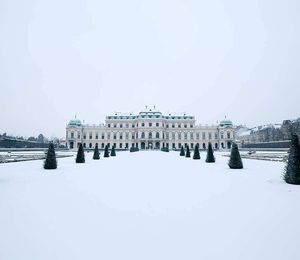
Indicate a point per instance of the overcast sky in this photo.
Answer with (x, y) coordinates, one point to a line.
(92, 58)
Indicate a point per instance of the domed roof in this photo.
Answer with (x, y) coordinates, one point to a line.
(75, 122)
(225, 122)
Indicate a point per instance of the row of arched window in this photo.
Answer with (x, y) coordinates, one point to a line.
(151, 135)
(174, 146)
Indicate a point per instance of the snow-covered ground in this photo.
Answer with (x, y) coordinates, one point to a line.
(148, 205)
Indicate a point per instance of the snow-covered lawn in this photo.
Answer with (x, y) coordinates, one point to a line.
(148, 205)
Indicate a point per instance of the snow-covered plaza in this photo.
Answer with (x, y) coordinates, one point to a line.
(148, 206)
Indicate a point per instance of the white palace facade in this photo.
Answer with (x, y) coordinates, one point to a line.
(149, 129)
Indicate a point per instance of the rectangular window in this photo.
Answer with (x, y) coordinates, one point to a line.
(209, 136)
(102, 136)
(127, 136)
(157, 124)
(84, 136)
(72, 135)
(173, 145)
(115, 136)
(216, 136)
(120, 145)
(192, 145)
(203, 136)
(121, 126)
(197, 136)
(121, 136)
(179, 145)
(167, 126)
(108, 136)
(96, 136)
(115, 125)
(150, 124)
(108, 125)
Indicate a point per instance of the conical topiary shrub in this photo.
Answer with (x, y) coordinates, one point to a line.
(106, 152)
(196, 155)
(292, 169)
(188, 153)
(80, 155)
(50, 161)
(235, 161)
(182, 153)
(113, 151)
(96, 155)
(210, 154)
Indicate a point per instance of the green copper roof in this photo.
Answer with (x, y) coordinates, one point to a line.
(226, 122)
(75, 122)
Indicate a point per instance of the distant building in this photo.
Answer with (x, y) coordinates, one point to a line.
(275, 134)
(149, 129)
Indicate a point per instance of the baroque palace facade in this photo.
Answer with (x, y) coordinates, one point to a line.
(149, 129)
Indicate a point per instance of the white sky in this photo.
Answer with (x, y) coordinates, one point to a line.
(92, 58)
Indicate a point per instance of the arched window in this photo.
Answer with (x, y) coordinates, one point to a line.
(143, 135)
(157, 135)
(228, 135)
(90, 145)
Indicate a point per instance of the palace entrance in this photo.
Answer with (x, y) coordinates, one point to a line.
(150, 145)
(157, 145)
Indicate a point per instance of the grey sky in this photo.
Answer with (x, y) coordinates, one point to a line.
(91, 58)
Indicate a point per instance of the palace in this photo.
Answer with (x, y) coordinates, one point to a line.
(149, 129)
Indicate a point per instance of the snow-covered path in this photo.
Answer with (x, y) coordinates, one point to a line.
(177, 208)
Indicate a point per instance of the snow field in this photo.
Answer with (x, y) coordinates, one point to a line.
(147, 205)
